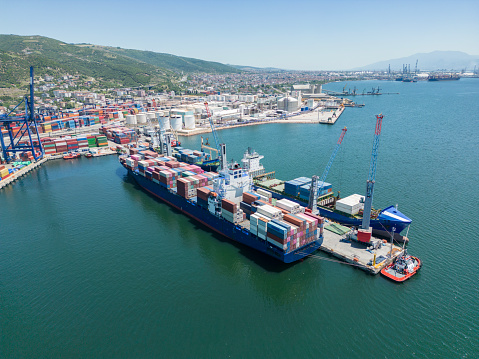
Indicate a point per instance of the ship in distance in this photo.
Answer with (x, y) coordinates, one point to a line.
(443, 77)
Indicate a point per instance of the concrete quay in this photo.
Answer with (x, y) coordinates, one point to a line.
(310, 117)
(101, 151)
(358, 254)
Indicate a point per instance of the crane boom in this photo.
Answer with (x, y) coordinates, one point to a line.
(317, 183)
(372, 175)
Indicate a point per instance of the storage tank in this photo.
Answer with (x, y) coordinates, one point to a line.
(151, 115)
(288, 104)
(164, 121)
(141, 118)
(310, 103)
(176, 122)
(189, 122)
(131, 119)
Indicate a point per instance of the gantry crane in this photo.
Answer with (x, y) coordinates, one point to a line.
(27, 122)
(364, 233)
(317, 183)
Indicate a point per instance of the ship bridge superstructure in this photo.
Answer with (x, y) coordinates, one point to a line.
(251, 163)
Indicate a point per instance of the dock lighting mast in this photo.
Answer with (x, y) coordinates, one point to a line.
(221, 147)
(364, 233)
(27, 122)
(318, 184)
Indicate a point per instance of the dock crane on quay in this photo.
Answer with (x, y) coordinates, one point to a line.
(365, 232)
(27, 122)
(317, 183)
(220, 147)
(159, 139)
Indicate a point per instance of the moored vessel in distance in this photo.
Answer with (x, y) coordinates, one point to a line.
(71, 155)
(443, 77)
(198, 158)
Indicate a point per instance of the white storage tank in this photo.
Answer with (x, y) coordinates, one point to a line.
(131, 119)
(141, 118)
(310, 103)
(189, 122)
(164, 122)
(288, 104)
(151, 115)
(176, 122)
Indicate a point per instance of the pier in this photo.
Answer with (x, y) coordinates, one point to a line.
(359, 254)
(22, 172)
(25, 170)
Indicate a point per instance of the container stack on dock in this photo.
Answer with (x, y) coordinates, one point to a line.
(72, 144)
(61, 146)
(91, 141)
(4, 172)
(119, 134)
(101, 141)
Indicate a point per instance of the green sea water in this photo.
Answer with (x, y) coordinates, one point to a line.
(93, 267)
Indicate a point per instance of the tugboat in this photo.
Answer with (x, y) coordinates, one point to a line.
(403, 268)
(71, 155)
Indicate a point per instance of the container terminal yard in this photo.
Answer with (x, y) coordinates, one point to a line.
(144, 135)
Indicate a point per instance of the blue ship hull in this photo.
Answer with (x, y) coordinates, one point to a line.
(382, 224)
(220, 225)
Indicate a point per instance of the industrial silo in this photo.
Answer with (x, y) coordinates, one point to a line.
(141, 118)
(176, 122)
(189, 122)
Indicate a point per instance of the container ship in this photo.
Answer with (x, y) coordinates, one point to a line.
(443, 77)
(346, 211)
(227, 203)
(198, 158)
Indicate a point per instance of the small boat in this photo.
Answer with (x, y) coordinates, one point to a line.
(71, 155)
(88, 155)
(403, 268)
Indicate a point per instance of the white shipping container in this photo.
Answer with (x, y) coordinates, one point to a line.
(270, 212)
(263, 198)
(279, 245)
(289, 206)
(265, 193)
(351, 204)
(254, 219)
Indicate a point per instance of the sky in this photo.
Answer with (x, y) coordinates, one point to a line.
(296, 35)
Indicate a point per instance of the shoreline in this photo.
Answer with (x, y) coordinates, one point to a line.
(307, 118)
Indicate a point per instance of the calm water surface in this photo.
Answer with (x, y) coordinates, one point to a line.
(91, 266)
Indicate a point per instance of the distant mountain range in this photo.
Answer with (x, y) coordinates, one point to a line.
(114, 66)
(110, 64)
(432, 61)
